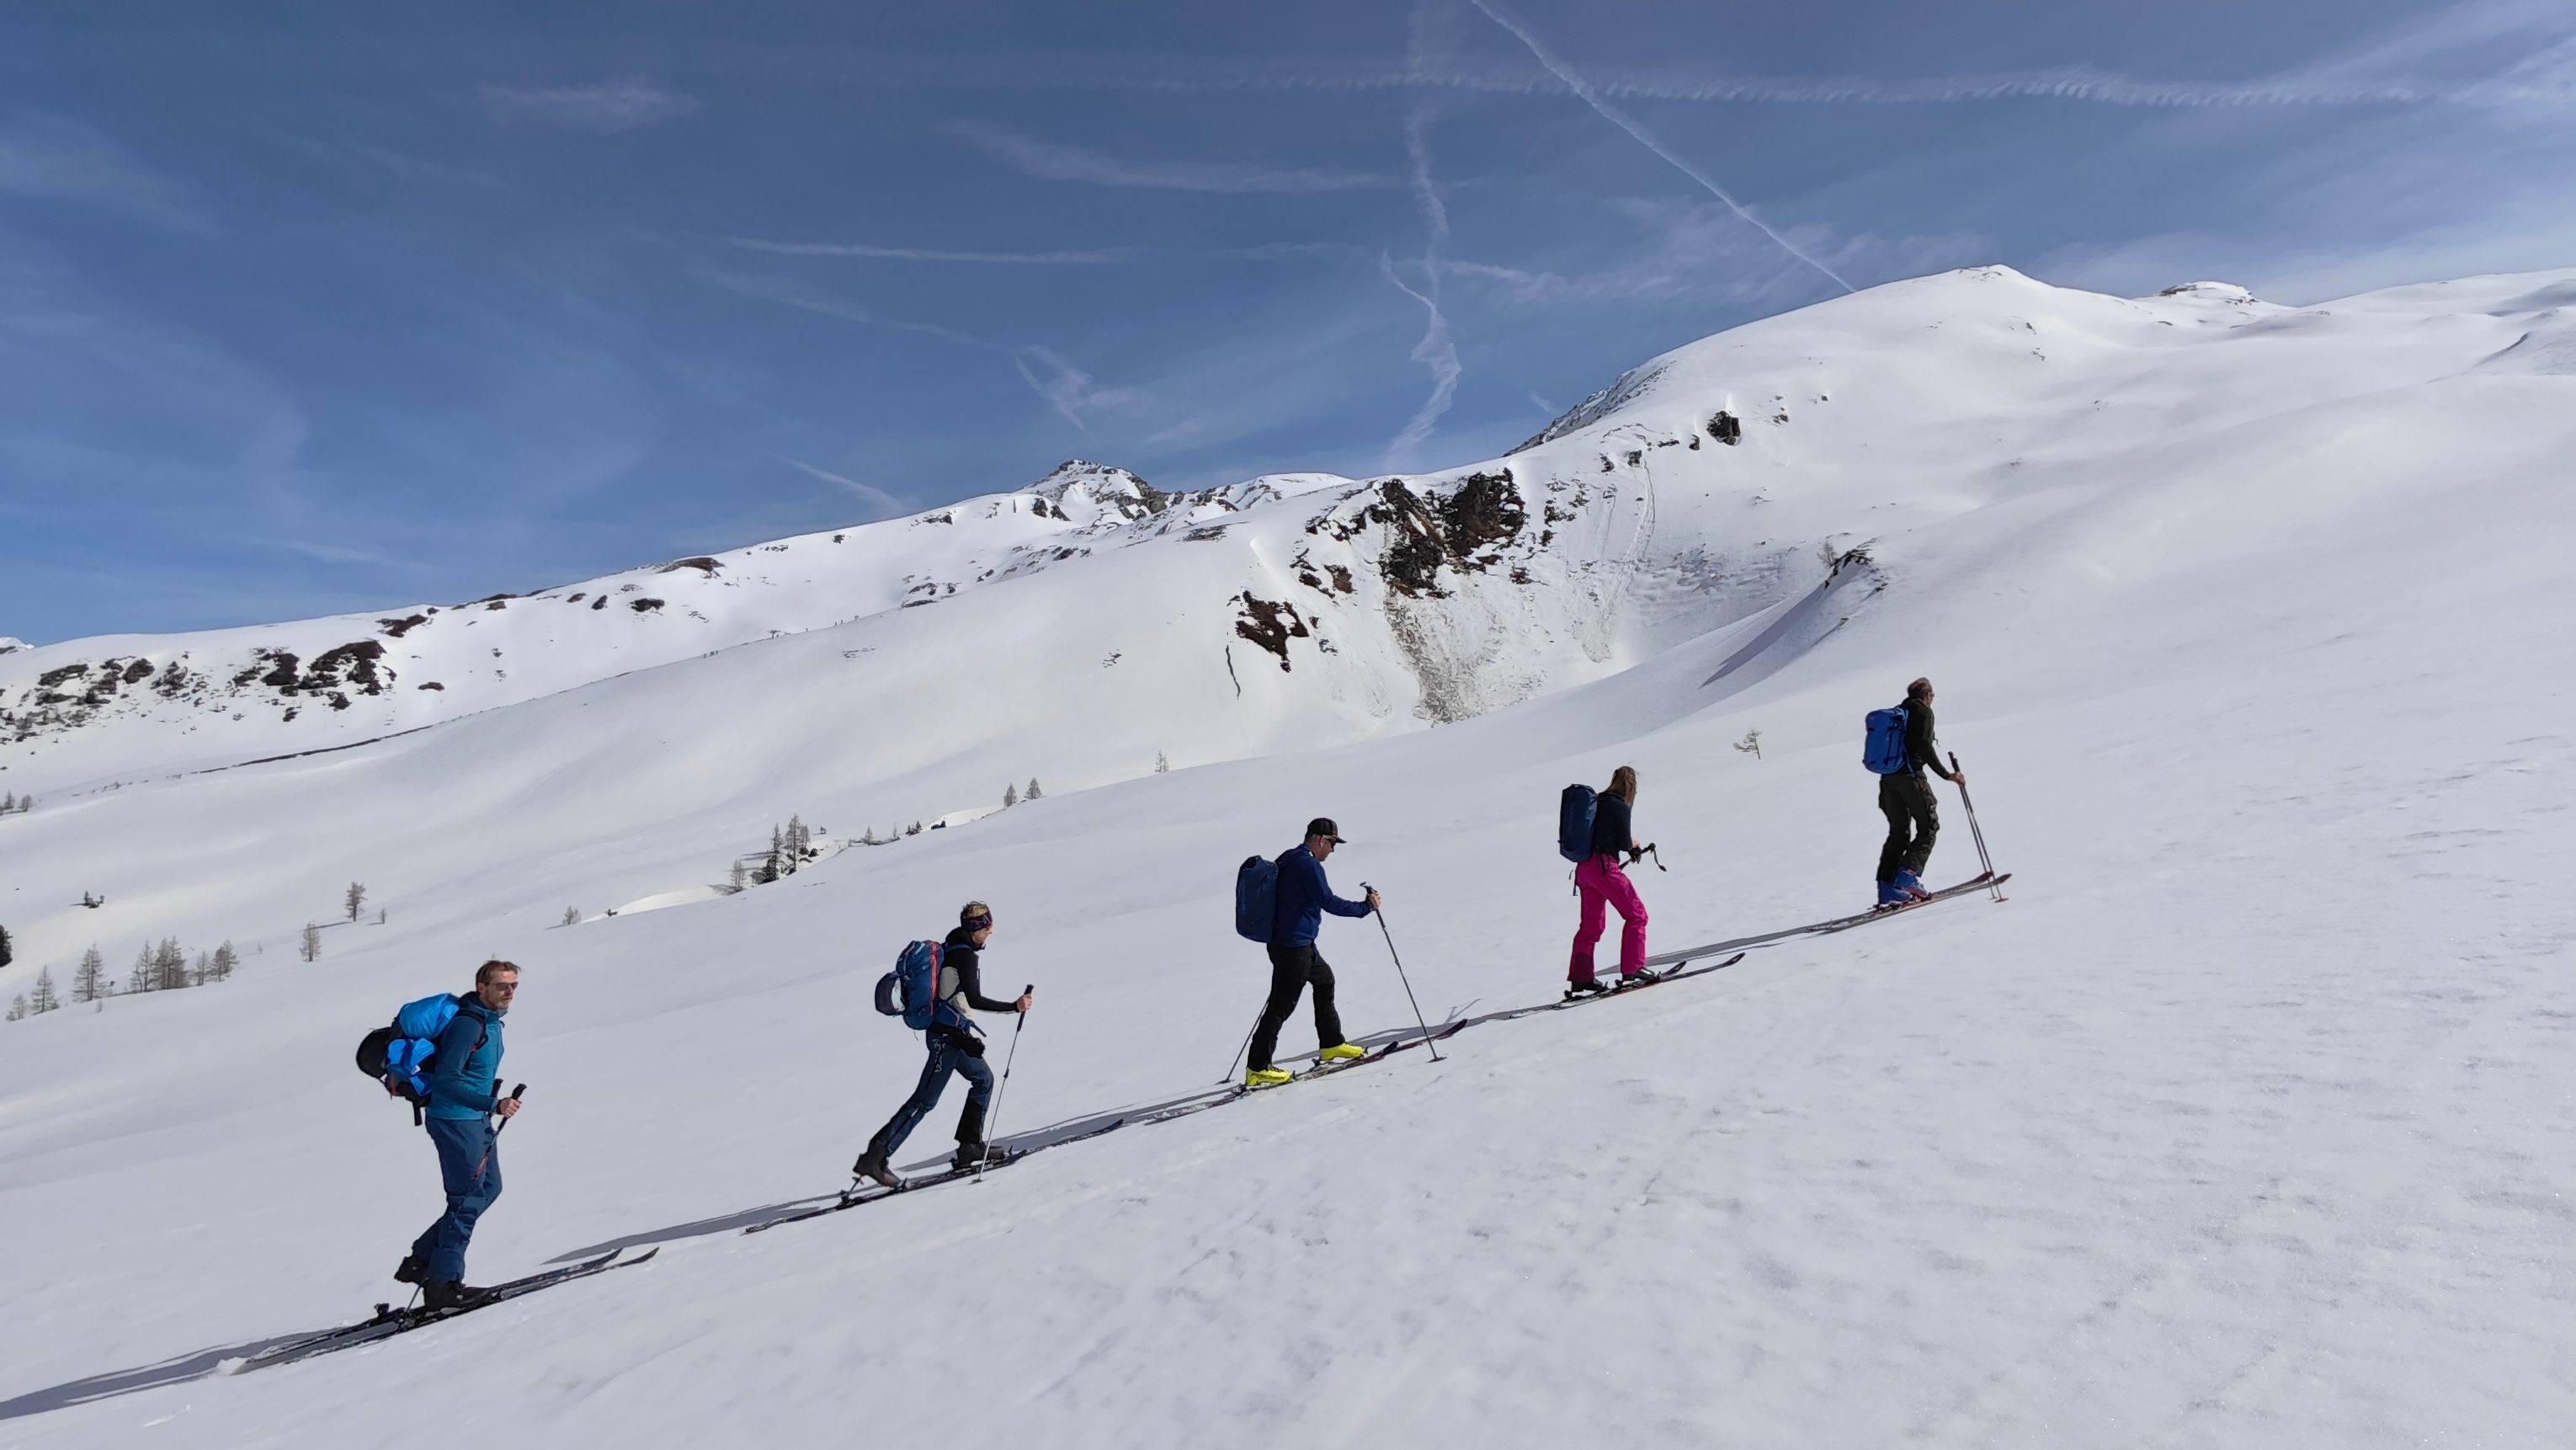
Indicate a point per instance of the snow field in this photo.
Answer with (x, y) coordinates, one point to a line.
(2245, 1121)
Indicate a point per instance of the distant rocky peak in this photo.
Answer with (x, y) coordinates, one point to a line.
(1076, 482)
(8, 644)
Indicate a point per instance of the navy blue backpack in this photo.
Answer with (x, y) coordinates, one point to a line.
(1256, 898)
(1574, 813)
(911, 990)
(1883, 748)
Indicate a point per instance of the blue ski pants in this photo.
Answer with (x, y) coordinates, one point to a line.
(947, 1055)
(469, 1166)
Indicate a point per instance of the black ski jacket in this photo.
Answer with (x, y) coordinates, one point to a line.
(961, 985)
(1919, 754)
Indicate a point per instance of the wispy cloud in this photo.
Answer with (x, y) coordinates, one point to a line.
(1065, 388)
(52, 156)
(1092, 257)
(1624, 122)
(604, 107)
(886, 505)
(1437, 350)
(1055, 161)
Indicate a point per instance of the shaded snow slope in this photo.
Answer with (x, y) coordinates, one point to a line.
(2240, 1123)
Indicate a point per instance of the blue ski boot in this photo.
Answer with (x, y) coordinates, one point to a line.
(1912, 885)
(1891, 894)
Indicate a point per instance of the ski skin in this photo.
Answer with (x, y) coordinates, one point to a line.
(389, 1321)
(858, 1195)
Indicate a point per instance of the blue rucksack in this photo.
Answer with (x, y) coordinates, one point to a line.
(1883, 749)
(1256, 899)
(1574, 812)
(911, 990)
(399, 1055)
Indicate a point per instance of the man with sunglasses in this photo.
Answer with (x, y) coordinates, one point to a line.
(464, 1095)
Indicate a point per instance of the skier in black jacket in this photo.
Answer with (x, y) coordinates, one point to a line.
(953, 1048)
(1905, 798)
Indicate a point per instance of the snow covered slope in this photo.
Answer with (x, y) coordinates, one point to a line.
(2242, 1122)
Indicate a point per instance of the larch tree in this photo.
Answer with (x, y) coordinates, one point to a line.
(311, 943)
(89, 980)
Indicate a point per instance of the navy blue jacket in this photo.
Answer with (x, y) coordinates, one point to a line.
(463, 1078)
(1304, 897)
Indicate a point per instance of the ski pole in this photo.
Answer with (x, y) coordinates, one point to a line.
(1007, 1059)
(1243, 1046)
(1380, 914)
(515, 1094)
(1658, 855)
(1975, 832)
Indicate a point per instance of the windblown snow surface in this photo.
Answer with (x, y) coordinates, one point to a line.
(2249, 1119)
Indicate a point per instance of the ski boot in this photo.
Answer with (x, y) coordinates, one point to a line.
(1266, 1077)
(1891, 894)
(412, 1270)
(872, 1165)
(1912, 885)
(455, 1295)
(1342, 1052)
(1588, 987)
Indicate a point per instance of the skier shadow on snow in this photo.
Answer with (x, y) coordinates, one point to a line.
(145, 1377)
(1088, 1125)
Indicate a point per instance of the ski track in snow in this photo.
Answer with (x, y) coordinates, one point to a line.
(2243, 1122)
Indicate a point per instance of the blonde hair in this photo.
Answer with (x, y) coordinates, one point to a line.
(1623, 784)
(494, 968)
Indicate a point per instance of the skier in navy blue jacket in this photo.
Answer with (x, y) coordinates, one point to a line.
(1905, 798)
(464, 1095)
(1304, 897)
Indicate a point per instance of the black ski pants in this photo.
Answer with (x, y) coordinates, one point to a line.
(1913, 819)
(1292, 970)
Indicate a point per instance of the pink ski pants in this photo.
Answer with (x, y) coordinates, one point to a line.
(1604, 884)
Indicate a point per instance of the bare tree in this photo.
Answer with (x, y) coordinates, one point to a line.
(170, 965)
(43, 998)
(1752, 741)
(799, 839)
(1034, 792)
(355, 899)
(89, 982)
(311, 945)
(8, 802)
(145, 977)
(572, 916)
(738, 877)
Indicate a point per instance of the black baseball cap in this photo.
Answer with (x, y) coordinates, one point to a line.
(1323, 826)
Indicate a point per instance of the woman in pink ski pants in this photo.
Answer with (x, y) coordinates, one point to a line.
(1603, 884)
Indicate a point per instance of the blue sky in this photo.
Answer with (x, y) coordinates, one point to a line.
(319, 307)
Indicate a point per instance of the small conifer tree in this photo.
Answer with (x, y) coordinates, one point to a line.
(355, 899)
(1162, 763)
(1010, 796)
(89, 981)
(220, 968)
(1034, 792)
(43, 998)
(310, 946)
(18, 1007)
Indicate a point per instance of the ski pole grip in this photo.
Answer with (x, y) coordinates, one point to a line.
(518, 1092)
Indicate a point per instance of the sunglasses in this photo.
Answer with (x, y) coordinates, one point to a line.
(500, 986)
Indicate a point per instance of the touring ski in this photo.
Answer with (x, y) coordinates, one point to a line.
(1840, 923)
(390, 1321)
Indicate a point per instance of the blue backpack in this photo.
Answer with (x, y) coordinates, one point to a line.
(911, 990)
(1256, 899)
(1574, 813)
(399, 1055)
(1883, 749)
